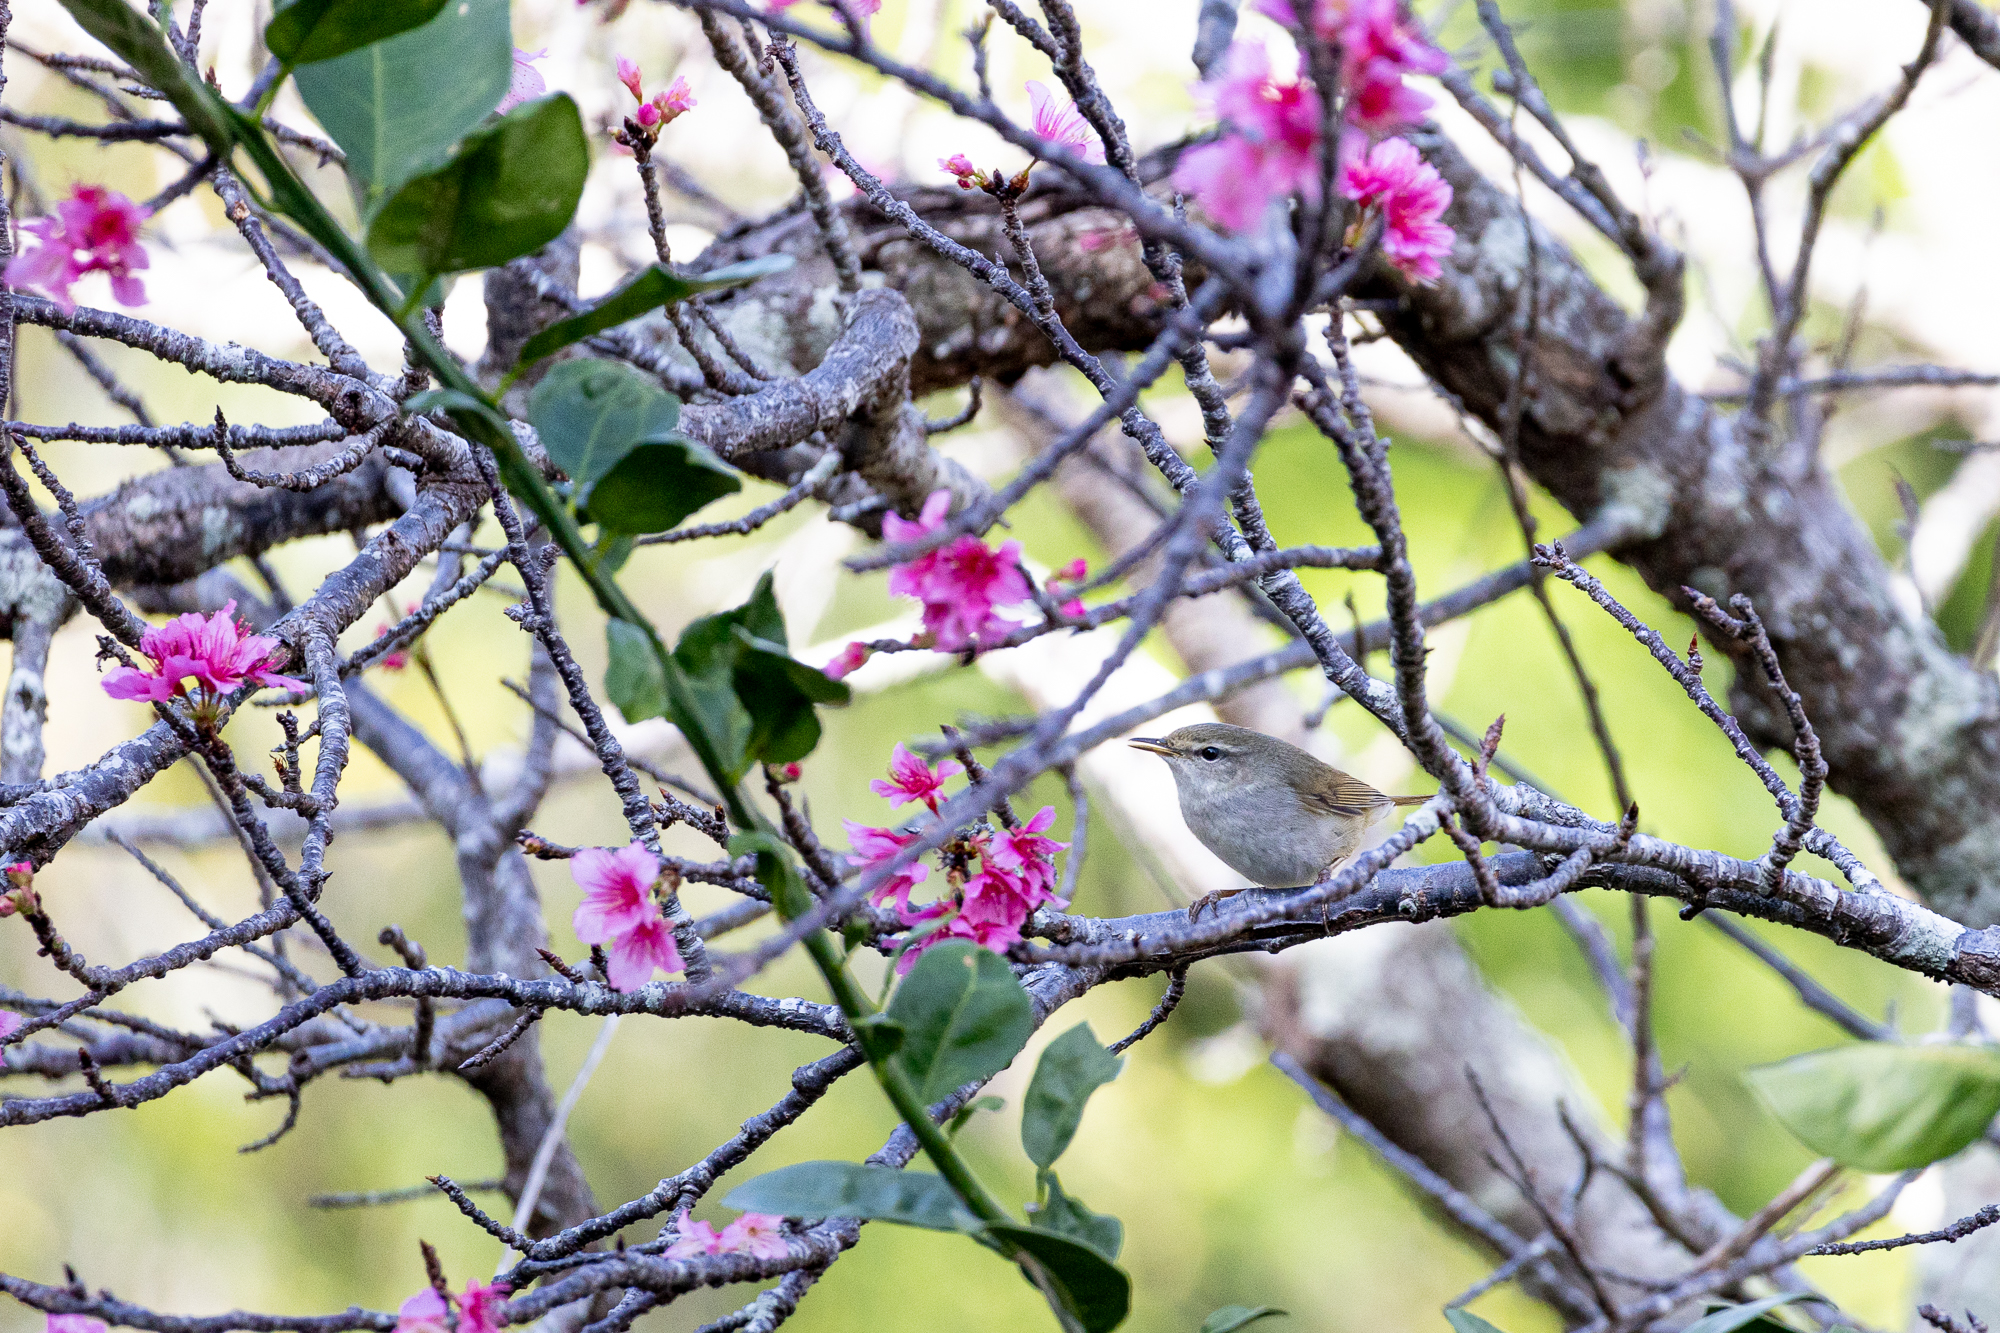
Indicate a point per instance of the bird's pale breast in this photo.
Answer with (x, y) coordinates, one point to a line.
(1271, 840)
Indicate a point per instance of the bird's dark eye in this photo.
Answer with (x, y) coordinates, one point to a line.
(1211, 753)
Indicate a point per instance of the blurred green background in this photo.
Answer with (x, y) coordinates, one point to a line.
(1232, 1188)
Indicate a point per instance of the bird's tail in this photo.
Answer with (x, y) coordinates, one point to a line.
(1411, 800)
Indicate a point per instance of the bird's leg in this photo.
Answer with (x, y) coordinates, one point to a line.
(1208, 900)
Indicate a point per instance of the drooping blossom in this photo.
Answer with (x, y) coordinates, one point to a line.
(1061, 583)
(216, 651)
(1270, 147)
(1058, 121)
(870, 848)
(849, 661)
(94, 230)
(1412, 197)
(628, 74)
(634, 955)
(696, 1239)
(526, 82)
(617, 891)
(962, 584)
(75, 1323)
(1378, 47)
(969, 177)
(1027, 853)
(481, 1309)
(425, 1312)
(1016, 875)
(755, 1234)
(911, 779)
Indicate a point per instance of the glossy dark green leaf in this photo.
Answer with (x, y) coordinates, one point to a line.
(1094, 1291)
(1232, 1317)
(633, 679)
(1072, 1067)
(507, 191)
(758, 699)
(306, 31)
(657, 484)
(1734, 1317)
(138, 41)
(654, 287)
(775, 871)
(590, 414)
(390, 112)
(1884, 1107)
(963, 1016)
(1067, 1216)
(1464, 1321)
(852, 1189)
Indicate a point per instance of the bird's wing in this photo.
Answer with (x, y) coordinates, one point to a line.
(1343, 796)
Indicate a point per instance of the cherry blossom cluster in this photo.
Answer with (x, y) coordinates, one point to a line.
(962, 585)
(481, 1309)
(988, 906)
(655, 113)
(619, 912)
(1270, 147)
(95, 230)
(217, 652)
(1057, 120)
(758, 1234)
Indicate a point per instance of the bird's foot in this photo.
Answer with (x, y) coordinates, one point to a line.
(1208, 900)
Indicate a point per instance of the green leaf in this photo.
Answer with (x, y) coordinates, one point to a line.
(657, 484)
(633, 679)
(852, 1189)
(389, 110)
(1093, 1290)
(590, 414)
(507, 191)
(654, 287)
(880, 1038)
(1071, 1068)
(755, 698)
(306, 31)
(1066, 1216)
(137, 40)
(1464, 1321)
(963, 1015)
(1232, 1317)
(1884, 1107)
(1740, 1316)
(775, 872)
(987, 1103)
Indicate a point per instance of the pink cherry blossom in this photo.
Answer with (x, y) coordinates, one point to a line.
(911, 779)
(628, 74)
(1026, 852)
(755, 1234)
(647, 115)
(871, 847)
(481, 1309)
(1378, 47)
(526, 83)
(849, 661)
(696, 1239)
(677, 100)
(425, 1312)
(74, 1323)
(1412, 197)
(94, 230)
(618, 891)
(1270, 148)
(962, 584)
(391, 661)
(10, 1023)
(969, 176)
(1060, 122)
(635, 954)
(217, 651)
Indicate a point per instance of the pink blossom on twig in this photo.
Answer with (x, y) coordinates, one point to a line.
(94, 230)
(617, 890)
(1271, 146)
(911, 779)
(870, 848)
(482, 1309)
(696, 1239)
(1058, 121)
(756, 1234)
(849, 660)
(634, 955)
(962, 584)
(425, 1312)
(1412, 196)
(216, 651)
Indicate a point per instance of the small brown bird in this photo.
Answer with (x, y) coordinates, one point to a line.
(1269, 810)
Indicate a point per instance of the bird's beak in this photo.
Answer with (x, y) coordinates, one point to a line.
(1152, 743)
